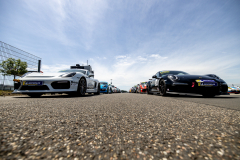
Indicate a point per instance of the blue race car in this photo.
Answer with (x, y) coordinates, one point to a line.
(105, 88)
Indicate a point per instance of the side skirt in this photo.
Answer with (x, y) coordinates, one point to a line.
(91, 90)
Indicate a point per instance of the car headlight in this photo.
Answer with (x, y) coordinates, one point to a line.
(68, 75)
(173, 77)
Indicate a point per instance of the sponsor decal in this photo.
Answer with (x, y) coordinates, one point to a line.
(206, 81)
(162, 72)
(202, 82)
(32, 83)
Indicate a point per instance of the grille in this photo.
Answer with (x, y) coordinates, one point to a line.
(60, 85)
(43, 87)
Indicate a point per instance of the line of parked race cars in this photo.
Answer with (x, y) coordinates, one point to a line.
(234, 89)
(79, 80)
(108, 88)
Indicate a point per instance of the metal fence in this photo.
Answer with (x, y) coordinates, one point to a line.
(8, 51)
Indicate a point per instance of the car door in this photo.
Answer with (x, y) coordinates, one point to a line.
(157, 79)
(153, 81)
(89, 81)
(94, 83)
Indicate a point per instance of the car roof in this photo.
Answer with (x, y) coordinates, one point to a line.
(75, 69)
(170, 70)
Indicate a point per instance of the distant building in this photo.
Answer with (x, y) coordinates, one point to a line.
(8, 51)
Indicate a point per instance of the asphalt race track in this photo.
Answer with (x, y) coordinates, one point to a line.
(120, 126)
(226, 101)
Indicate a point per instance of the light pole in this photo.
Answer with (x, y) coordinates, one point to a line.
(111, 81)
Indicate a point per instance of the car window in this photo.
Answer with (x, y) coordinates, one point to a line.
(173, 72)
(73, 70)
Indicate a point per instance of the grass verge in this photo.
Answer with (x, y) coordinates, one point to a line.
(8, 93)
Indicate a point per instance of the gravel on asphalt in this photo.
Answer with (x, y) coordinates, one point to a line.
(116, 126)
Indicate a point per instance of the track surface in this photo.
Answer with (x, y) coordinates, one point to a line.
(226, 101)
(120, 126)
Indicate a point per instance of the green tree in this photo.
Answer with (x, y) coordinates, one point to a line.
(13, 67)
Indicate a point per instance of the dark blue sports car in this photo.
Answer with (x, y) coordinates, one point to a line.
(178, 81)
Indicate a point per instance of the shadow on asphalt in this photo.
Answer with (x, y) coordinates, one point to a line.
(61, 96)
(198, 96)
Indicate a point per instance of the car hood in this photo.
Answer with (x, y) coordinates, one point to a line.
(44, 75)
(182, 77)
(187, 78)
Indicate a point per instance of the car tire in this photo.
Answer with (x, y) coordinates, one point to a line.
(34, 95)
(148, 90)
(162, 88)
(82, 86)
(98, 91)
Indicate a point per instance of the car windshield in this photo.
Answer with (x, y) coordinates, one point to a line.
(144, 83)
(173, 72)
(103, 83)
(73, 70)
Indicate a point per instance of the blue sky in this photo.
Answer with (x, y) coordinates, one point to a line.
(128, 41)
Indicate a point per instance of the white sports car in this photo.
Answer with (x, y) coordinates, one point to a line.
(70, 81)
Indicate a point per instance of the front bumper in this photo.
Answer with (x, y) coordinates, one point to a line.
(144, 89)
(179, 84)
(48, 86)
(192, 87)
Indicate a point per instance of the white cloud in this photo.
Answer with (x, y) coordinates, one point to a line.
(157, 56)
(120, 57)
(140, 58)
(101, 58)
(56, 18)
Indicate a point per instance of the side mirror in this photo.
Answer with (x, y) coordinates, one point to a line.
(91, 75)
(154, 76)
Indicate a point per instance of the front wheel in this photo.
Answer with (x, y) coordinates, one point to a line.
(108, 90)
(98, 91)
(162, 88)
(148, 90)
(82, 87)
